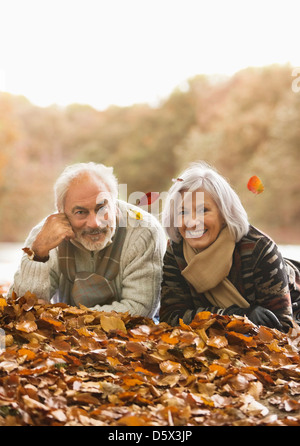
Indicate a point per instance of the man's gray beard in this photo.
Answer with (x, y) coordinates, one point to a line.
(95, 246)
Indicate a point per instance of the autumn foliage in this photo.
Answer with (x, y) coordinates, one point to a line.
(244, 125)
(65, 365)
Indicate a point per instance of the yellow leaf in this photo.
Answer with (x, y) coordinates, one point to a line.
(83, 331)
(136, 214)
(113, 361)
(3, 302)
(109, 323)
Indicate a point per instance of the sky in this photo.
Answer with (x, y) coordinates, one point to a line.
(121, 52)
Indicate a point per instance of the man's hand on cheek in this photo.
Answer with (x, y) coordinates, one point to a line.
(55, 229)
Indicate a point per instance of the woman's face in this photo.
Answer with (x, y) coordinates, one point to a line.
(199, 219)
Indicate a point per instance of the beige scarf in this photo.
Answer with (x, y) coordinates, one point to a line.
(207, 271)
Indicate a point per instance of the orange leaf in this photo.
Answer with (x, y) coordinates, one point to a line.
(3, 302)
(113, 361)
(221, 371)
(25, 351)
(59, 326)
(131, 420)
(255, 185)
(240, 338)
(202, 315)
(265, 334)
(169, 339)
(238, 326)
(274, 347)
(144, 371)
(83, 331)
(264, 377)
(36, 371)
(130, 382)
(184, 326)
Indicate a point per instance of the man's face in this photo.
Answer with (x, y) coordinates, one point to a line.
(91, 211)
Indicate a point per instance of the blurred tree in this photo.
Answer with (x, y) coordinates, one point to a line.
(244, 125)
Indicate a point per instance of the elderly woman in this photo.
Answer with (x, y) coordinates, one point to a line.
(216, 261)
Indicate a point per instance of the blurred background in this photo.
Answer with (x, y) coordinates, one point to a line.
(147, 87)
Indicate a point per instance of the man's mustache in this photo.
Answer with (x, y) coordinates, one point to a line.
(95, 231)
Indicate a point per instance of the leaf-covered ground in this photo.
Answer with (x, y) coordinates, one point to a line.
(65, 365)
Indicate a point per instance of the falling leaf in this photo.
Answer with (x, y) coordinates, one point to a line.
(136, 214)
(28, 251)
(148, 199)
(255, 185)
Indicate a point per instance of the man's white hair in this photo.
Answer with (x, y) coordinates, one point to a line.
(201, 175)
(73, 171)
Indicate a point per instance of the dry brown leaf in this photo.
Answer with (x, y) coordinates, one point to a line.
(109, 323)
(26, 326)
(75, 366)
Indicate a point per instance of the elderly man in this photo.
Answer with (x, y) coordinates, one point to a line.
(94, 251)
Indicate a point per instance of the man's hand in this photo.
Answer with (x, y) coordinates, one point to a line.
(56, 228)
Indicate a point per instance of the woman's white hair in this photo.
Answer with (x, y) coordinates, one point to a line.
(102, 172)
(201, 175)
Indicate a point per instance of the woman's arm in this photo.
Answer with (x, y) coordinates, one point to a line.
(176, 300)
(271, 282)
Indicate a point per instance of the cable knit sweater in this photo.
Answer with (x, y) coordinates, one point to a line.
(140, 274)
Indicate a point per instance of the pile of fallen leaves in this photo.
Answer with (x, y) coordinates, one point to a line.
(66, 365)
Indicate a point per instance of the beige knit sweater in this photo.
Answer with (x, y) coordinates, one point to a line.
(139, 279)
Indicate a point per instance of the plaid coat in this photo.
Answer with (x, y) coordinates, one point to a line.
(258, 271)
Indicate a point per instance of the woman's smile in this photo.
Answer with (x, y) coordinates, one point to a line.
(200, 223)
(195, 233)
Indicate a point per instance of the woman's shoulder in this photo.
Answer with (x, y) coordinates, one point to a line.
(256, 244)
(255, 236)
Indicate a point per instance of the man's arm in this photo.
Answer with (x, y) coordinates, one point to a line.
(37, 277)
